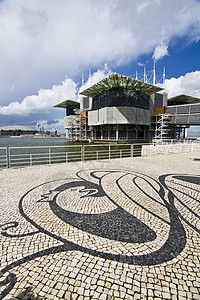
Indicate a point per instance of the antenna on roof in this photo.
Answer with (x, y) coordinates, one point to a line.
(163, 75)
(144, 74)
(136, 76)
(154, 73)
(82, 79)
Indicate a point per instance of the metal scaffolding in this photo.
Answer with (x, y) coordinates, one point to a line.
(161, 123)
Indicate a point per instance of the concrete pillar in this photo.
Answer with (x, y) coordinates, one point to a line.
(117, 133)
(94, 133)
(108, 131)
(101, 133)
(184, 132)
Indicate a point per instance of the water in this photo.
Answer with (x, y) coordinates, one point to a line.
(30, 151)
(57, 150)
(31, 142)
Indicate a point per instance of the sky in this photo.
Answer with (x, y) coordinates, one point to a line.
(46, 47)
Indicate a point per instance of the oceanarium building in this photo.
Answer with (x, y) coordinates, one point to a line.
(122, 108)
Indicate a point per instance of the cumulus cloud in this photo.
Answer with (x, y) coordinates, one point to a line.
(43, 101)
(95, 77)
(160, 51)
(188, 84)
(42, 42)
(33, 21)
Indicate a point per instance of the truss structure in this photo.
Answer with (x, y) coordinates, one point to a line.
(161, 124)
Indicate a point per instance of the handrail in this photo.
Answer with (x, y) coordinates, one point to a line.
(29, 156)
(3, 157)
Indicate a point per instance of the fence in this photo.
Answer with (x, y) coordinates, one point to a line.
(29, 156)
(3, 157)
(169, 148)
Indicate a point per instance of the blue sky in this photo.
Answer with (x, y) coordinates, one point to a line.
(45, 48)
(180, 60)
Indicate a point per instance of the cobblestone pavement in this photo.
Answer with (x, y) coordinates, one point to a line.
(120, 229)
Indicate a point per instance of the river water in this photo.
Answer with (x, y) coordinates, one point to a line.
(31, 142)
(57, 150)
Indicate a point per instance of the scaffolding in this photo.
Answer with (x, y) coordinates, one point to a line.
(84, 129)
(120, 107)
(161, 124)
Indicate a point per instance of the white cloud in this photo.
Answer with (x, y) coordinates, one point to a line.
(189, 84)
(33, 21)
(42, 41)
(95, 77)
(160, 51)
(43, 101)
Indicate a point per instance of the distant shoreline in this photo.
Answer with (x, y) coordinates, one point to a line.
(32, 136)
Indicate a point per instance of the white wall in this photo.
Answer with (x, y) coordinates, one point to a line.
(119, 115)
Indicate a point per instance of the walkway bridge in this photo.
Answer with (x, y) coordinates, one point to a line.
(183, 110)
(180, 113)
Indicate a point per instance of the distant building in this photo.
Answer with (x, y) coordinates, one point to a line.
(122, 108)
(16, 130)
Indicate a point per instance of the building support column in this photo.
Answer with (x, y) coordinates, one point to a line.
(109, 132)
(184, 132)
(145, 129)
(101, 133)
(117, 133)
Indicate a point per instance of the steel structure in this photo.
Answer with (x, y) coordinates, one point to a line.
(122, 108)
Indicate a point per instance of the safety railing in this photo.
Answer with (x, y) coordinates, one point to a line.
(3, 157)
(170, 148)
(28, 156)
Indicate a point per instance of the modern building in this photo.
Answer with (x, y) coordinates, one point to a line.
(16, 130)
(122, 108)
(72, 118)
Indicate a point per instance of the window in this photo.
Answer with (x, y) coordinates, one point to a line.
(121, 97)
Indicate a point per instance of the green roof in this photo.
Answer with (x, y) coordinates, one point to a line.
(67, 103)
(182, 99)
(117, 80)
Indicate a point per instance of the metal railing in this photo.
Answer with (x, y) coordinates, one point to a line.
(28, 156)
(171, 147)
(3, 157)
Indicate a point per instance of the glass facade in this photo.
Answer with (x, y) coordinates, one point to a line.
(121, 97)
(70, 110)
(121, 132)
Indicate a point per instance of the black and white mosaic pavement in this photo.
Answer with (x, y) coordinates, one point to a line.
(85, 226)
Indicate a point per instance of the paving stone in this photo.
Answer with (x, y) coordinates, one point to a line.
(102, 231)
